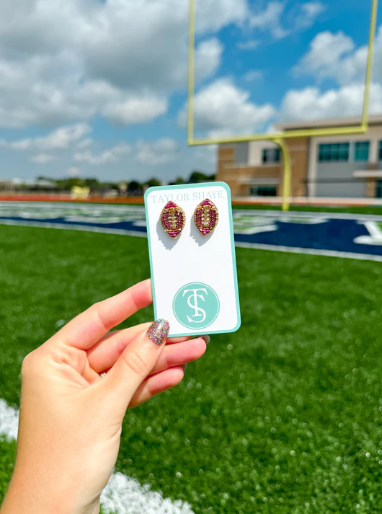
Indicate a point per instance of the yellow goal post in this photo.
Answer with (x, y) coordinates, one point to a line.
(279, 137)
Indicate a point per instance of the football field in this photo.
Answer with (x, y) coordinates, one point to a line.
(356, 234)
(282, 417)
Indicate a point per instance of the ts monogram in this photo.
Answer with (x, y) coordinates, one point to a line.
(196, 305)
(193, 303)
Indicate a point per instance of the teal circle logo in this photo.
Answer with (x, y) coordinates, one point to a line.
(196, 305)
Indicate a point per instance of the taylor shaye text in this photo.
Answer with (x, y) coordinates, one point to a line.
(184, 197)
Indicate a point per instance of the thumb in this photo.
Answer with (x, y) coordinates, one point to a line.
(134, 365)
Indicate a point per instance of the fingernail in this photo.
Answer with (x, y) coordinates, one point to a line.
(158, 331)
(207, 339)
(184, 366)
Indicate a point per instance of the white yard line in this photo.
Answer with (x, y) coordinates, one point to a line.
(9, 421)
(122, 495)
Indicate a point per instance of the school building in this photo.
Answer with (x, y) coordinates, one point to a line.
(322, 167)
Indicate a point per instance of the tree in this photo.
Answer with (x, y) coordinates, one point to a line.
(42, 177)
(153, 182)
(199, 176)
(134, 187)
(93, 183)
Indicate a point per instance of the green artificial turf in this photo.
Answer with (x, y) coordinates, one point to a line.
(282, 417)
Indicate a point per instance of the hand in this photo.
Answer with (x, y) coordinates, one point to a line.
(71, 418)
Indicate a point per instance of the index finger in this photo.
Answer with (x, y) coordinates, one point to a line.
(87, 328)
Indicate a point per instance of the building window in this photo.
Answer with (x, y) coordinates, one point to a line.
(263, 191)
(271, 155)
(378, 189)
(333, 152)
(361, 151)
(380, 151)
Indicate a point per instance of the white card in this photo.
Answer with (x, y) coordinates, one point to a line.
(194, 276)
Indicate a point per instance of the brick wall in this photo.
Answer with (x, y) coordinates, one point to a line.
(234, 174)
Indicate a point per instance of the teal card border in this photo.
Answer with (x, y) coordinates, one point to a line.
(229, 200)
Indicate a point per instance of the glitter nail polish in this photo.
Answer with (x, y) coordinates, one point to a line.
(158, 331)
(207, 339)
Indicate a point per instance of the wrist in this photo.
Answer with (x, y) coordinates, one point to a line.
(25, 498)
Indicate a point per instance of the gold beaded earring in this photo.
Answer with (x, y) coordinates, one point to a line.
(173, 219)
(206, 217)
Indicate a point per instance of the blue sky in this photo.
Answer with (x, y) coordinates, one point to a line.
(277, 57)
(93, 88)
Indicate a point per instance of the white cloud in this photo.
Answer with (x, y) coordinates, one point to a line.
(212, 15)
(157, 152)
(279, 22)
(311, 103)
(67, 61)
(270, 19)
(62, 137)
(221, 108)
(207, 58)
(335, 56)
(85, 143)
(153, 153)
(326, 53)
(253, 75)
(108, 156)
(42, 158)
(58, 139)
(251, 44)
(135, 110)
(102, 158)
(308, 14)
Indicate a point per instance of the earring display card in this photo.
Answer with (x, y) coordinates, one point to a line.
(194, 275)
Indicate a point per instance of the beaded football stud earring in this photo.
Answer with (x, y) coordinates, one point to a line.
(206, 217)
(173, 219)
